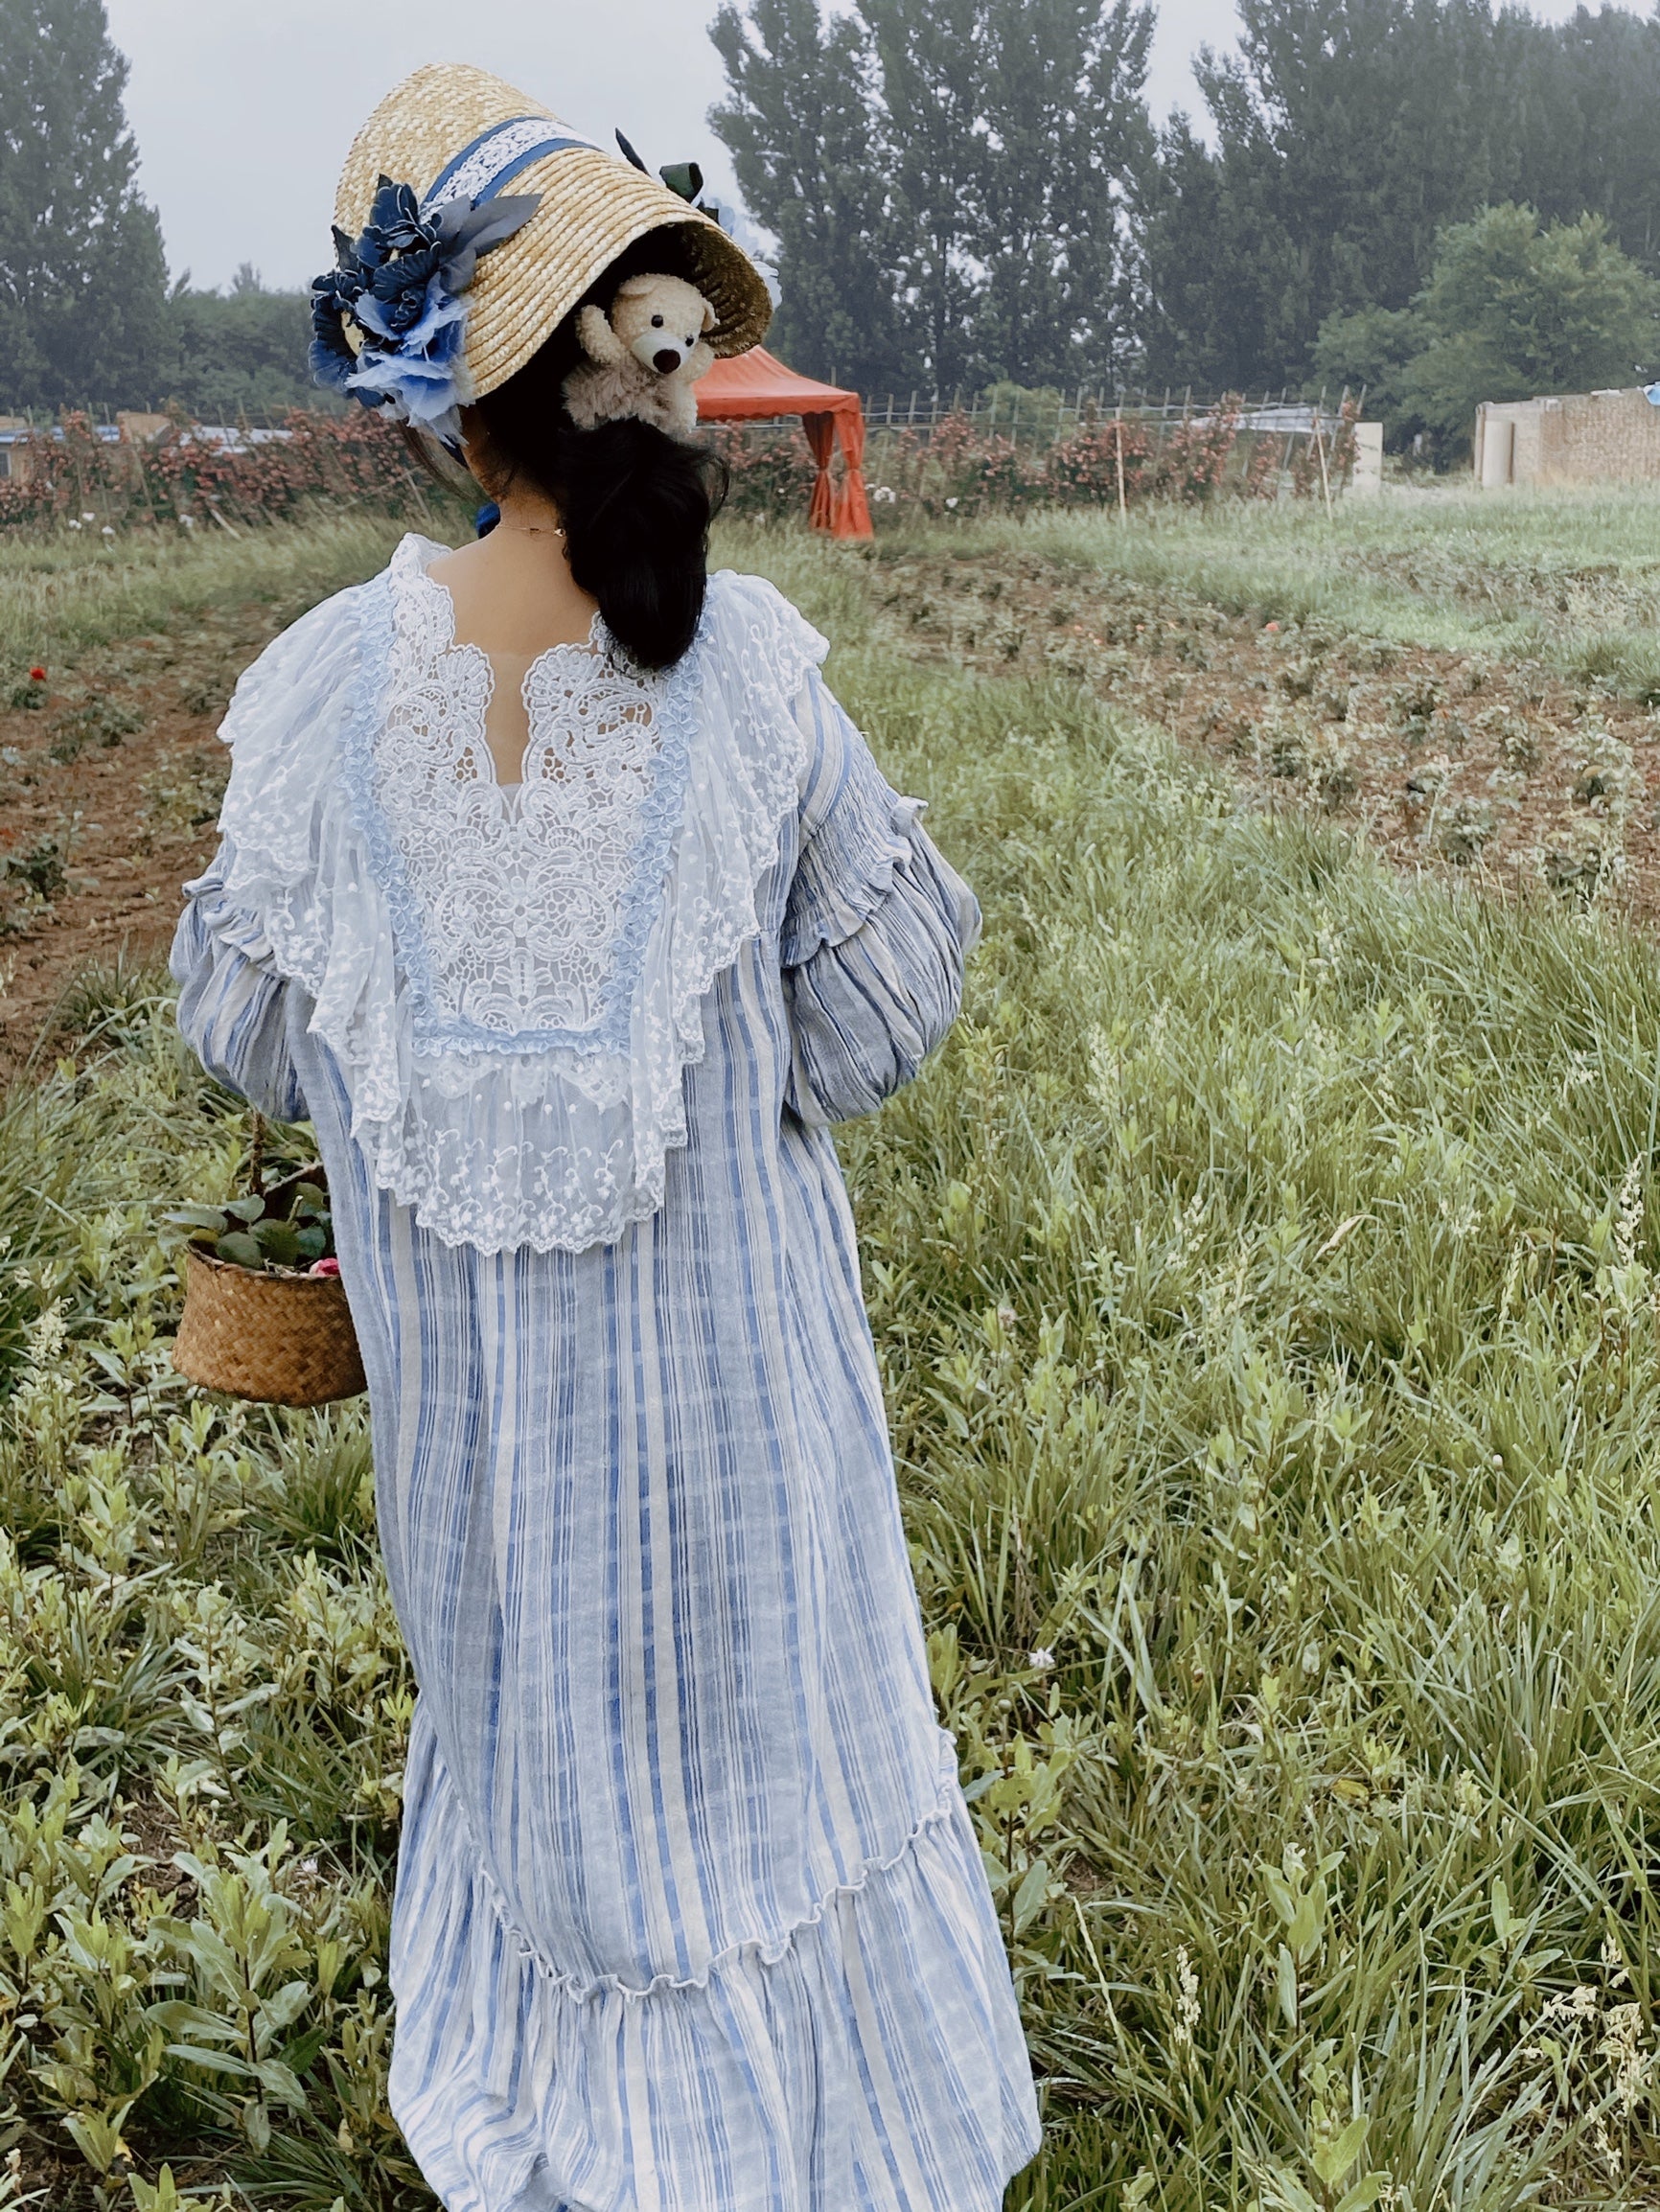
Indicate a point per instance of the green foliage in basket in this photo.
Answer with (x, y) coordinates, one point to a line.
(282, 1232)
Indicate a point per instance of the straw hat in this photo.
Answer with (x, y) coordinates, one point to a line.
(460, 129)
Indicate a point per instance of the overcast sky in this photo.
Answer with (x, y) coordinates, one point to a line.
(243, 109)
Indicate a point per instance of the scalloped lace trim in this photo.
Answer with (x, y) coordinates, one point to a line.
(521, 916)
(769, 1949)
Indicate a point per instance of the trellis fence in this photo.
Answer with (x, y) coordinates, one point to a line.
(1047, 417)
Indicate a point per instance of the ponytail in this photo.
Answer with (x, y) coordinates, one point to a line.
(636, 503)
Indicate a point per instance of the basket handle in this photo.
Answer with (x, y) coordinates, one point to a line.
(257, 1156)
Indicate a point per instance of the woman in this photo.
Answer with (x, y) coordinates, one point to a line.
(558, 893)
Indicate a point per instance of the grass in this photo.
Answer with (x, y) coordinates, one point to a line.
(1570, 579)
(60, 595)
(1267, 1279)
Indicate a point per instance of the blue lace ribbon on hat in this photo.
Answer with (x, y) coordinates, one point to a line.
(388, 321)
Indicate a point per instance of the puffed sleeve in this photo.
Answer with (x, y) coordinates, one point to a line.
(876, 927)
(232, 1004)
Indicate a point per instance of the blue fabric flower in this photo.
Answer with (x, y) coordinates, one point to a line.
(388, 321)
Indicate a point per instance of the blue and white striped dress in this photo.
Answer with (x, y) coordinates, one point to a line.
(690, 1915)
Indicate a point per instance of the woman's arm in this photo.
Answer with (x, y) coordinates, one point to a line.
(876, 929)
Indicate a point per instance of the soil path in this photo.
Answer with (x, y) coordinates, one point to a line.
(110, 789)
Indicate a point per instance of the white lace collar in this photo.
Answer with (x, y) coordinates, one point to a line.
(512, 985)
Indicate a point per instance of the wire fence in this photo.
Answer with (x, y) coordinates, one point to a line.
(1028, 417)
(1046, 418)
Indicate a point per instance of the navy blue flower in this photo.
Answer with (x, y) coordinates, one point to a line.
(333, 296)
(397, 293)
(398, 286)
(395, 218)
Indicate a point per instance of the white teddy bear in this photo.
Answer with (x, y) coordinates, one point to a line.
(644, 358)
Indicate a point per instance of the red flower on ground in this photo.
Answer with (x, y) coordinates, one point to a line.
(37, 675)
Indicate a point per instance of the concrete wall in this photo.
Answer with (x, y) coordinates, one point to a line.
(1366, 478)
(1583, 438)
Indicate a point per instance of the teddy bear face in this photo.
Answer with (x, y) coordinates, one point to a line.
(662, 321)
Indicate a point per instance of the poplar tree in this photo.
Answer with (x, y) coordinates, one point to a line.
(799, 122)
(952, 183)
(1348, 134)
(82, 278)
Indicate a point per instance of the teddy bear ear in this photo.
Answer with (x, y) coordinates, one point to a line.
(711, 318)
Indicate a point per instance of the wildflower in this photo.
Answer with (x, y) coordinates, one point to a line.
(109, 530)
(1272, 627)
(885, 495)
(1186, 2001)
(38, 675)
(951, 502)
(1629, 1214)
(1040, 1660)
(73, 523)
(87, 514)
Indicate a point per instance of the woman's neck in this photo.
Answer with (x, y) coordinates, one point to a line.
(514, 592)
(531, 515)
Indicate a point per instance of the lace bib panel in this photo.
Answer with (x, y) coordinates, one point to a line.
(521, 912)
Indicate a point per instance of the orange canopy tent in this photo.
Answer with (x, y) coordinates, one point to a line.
(754, 388)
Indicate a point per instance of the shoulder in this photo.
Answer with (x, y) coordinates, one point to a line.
(757, 632)
(317, 659)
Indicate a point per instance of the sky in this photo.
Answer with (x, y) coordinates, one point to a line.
(243, 109)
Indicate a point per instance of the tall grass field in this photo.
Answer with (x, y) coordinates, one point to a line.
(1266, 1275)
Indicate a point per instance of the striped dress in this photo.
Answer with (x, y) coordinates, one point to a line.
(689, 1912)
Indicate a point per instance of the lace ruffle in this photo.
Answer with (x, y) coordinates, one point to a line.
(551, 1136)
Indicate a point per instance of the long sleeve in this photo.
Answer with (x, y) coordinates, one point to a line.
(877, 927)
(231, 1001)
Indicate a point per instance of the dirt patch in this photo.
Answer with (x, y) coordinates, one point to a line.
(1449, 762)
(110, 783)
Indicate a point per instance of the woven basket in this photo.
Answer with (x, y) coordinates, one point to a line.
(284, 1340)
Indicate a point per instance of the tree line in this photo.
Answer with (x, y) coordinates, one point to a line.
(963, 190)
(86, 312)
(1436, 199)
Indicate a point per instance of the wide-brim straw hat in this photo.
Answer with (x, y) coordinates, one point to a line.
(463, 129)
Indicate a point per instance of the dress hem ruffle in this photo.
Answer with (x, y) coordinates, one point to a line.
(869, 2060)
(769, 1949)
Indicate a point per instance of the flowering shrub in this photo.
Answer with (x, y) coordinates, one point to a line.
(77, 479)
(771, 468)
(1083, 470)
(1339, 450)
(961, 468)
(964, 468)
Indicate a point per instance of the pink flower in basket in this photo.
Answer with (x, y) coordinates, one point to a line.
(324, 1267)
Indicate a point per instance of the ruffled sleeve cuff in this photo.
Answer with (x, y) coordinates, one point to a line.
(877, 927)
(856, 832)
(232, 1002)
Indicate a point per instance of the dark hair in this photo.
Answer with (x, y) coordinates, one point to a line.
(637, 504)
